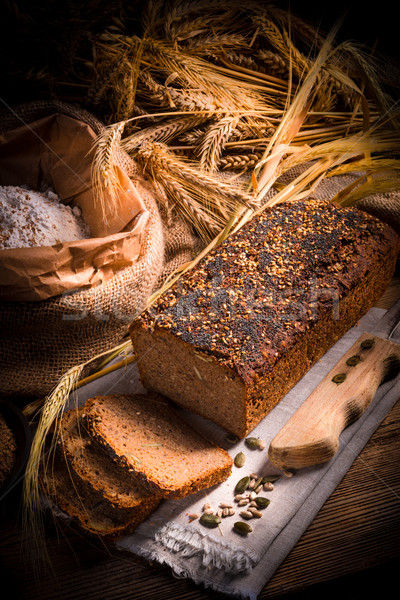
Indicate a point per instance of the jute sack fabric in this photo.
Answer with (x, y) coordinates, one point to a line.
(40, 341)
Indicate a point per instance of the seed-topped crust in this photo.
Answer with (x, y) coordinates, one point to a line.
(252, 298)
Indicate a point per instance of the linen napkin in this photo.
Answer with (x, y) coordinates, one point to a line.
(221, 559)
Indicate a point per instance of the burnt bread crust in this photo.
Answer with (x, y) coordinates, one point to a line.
(233, 335)
(90, 510)
(145, 435)
(93, 467)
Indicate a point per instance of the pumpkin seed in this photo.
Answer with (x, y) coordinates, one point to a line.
(262, 502)
(242, 485)
(242, 527)
(252, 442)
(210, 520)
(240, 459)
(270, 478)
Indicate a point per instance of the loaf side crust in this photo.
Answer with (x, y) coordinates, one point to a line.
(263, 307)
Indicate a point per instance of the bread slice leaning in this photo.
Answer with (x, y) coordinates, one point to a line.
(89, 509)
(144, 434)
(93, 467)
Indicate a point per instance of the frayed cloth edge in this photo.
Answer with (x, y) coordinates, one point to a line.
(215, 553)
(234, 592)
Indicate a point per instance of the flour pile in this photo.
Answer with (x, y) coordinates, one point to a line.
(29, 218)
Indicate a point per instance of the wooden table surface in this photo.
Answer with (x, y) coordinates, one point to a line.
(351, 550)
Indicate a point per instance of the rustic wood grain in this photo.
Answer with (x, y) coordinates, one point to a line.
(311, 436)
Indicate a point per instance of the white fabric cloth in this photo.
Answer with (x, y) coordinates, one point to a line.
(220, 558)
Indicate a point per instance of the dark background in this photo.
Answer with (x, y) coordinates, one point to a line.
(27, 42)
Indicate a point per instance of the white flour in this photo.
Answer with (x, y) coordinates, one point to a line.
(29, 218)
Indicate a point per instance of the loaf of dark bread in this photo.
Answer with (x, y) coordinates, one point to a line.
(233, 335)
(144, 435)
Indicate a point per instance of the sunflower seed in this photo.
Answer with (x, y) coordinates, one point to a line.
(243, 502)
(246, 514)
(255, 512)
(193, 516)
(226, 505)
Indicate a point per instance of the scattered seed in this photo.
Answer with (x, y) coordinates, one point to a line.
(242, 485)
(252, 495)
(252, 442)
(210, 520)
(255, 512)
(253, 504)
(239, 497)
(206, 506)
(258, 489)
(243, 502)
(227, 512)
(262, 445)
(246, 514)
(262, 502)
(288, 473)
(226, 505)
(251, 484)
(219, 512)
(270, 478)
(253, 475)
(240, 459)
(193, 516)
(208, 511)
(242, 527)
(268, 487)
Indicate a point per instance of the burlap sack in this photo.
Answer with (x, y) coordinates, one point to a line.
(40, 341)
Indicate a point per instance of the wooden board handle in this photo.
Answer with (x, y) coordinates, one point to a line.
(311, 436)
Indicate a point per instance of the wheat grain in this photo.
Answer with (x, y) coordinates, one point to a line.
(214, 140)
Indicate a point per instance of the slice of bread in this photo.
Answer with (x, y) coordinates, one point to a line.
(87, 508)
(144, 434)
(92, 465)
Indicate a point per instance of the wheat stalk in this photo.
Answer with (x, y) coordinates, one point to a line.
(163, 132)
(105, 177)
(53, 406)
(214, 140)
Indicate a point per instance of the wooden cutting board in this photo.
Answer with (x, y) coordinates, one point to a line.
(311, 436)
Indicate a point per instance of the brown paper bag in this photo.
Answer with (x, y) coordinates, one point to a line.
(57, 151)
